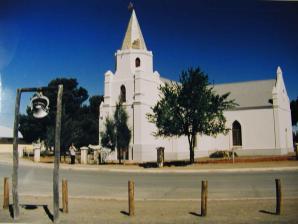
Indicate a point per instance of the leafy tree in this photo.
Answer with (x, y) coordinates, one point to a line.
(294, 111)
(108, 137)
(123, 133)
(94, 102)
(295, 138)
(79, 122)
(30, 128)
(117, 134)
(189, 108)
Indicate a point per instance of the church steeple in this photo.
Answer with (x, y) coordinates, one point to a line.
(133, 37)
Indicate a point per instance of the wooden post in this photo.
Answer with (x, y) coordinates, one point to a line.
(204, 196)
(57, 155)
(65, 196)
(131, 198)
(15, 195)
(278, 197)
(6, 193)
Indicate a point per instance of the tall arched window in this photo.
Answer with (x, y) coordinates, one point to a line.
(122, 94)
(138, 62)
(237, 136)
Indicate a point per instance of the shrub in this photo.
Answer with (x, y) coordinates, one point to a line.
(46, 153)
(222, 154)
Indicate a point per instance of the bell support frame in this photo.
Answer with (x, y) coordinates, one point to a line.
(57, 150)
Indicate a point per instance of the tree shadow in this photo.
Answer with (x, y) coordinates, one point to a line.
(267, 212)
(124, 213)
(30, 207)
(47, 211)
(195, 214)
(45, 208)
(148, 165)
(10, 207)
(166, 164)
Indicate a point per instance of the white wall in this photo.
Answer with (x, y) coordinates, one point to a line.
(282, 112)
(257, 126)
(263, 129)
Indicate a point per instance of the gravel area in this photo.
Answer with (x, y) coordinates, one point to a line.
(38, 210)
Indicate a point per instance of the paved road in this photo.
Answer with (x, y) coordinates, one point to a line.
(38, 181)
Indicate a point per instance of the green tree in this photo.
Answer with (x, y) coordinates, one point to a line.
(79, 121)
(189, 108)
(108, 136)
(31, 129)
(294, 111)
(123, 133)
(94, 102)
(117, 133)
(295, 138)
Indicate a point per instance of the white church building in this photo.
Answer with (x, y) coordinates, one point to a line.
(260, 124)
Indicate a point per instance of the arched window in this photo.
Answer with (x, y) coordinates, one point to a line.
(122, 94)
(138, 62)
(237, 136)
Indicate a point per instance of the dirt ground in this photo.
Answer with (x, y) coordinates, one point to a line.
(201, 164)
(38, 210)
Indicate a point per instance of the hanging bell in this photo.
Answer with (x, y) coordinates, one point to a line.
(40, 105)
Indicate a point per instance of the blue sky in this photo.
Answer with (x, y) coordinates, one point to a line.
(230, 40)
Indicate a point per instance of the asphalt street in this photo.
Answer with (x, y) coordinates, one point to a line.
(165, 186)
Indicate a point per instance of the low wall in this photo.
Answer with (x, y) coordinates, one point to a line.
(8, 148)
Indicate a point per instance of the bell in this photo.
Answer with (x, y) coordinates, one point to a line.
(40, 105)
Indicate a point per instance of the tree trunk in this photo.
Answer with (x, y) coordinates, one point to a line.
(191, 149)
(119, 155)
(191, 155)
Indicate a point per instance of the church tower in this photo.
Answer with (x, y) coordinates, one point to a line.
(134, 84)
(133, 55)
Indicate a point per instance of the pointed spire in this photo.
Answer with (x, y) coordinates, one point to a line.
(278, 71)
(133, 37)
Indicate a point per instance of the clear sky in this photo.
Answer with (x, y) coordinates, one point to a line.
(230, 40)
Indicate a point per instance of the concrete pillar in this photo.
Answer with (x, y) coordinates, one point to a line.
(160, 156)
(84, 153)
(89, 159)
(37, 155)
(96, 155)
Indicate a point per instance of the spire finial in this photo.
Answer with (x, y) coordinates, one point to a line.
(133, 38)
(130, 7)
(278, 71)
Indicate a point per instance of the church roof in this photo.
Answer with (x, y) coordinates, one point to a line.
(133, 37)
(251, 94)
(6, 132)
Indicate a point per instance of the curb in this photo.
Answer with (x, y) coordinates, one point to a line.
(153, 170)
(233, 170)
